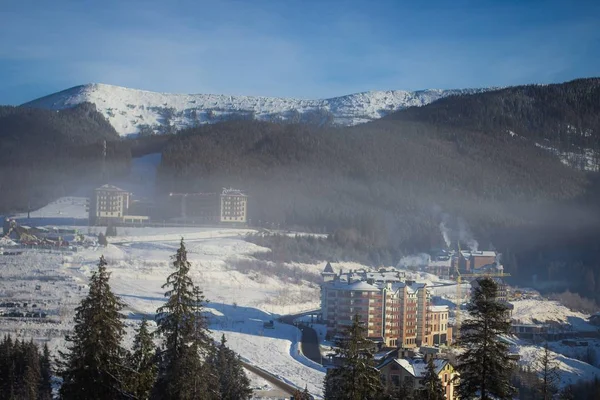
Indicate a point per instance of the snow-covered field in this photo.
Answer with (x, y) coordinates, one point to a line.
(129, 109)
(546, 311)
(139, 261)
(567, 359)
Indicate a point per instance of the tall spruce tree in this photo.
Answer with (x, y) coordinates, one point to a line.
(30, 383)
(182, 371)
(94, 365)
(432, 385)
(45, 391)
(547, 370)
(233, 382)
(142, 363)
(484, 367)
(356, 378)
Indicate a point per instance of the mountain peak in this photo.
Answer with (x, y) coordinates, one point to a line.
(134, 111)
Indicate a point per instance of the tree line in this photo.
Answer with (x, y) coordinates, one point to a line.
(187, 364)
(25, 370)
(563, 116)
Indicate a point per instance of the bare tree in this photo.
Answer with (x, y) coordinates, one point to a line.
(547, 369)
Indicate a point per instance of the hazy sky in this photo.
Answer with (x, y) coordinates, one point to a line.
(303, 48)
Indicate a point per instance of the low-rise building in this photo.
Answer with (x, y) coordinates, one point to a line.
(472, 261)
(410, 371)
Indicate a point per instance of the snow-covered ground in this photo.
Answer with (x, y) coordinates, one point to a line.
(64, 208)
(543, 311)
(129, 109)
(567, 359)
(139, 260)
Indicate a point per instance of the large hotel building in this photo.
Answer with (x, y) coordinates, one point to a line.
(396, 312)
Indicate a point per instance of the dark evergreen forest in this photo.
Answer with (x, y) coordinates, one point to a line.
(47, 154)
(562, 116)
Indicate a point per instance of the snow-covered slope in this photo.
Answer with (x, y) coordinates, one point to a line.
(133, 111)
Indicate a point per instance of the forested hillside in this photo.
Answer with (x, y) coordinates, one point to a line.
(387, 186)
(47, 154)
(564, 117)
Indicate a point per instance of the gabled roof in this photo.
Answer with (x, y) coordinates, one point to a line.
(328, 269)
(417, 367)
(111, 188)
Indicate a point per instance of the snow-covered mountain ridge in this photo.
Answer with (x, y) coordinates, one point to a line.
(132, 111)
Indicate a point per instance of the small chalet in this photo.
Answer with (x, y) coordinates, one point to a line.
(410, 370)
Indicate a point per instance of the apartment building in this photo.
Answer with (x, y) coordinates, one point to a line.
(234, 206)
(441, 331)
(396, 312)
(108, 204)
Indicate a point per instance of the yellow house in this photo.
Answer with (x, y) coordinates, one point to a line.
(410, 371)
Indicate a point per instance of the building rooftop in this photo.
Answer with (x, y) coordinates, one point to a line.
(438, 308)
(232, 192)
(440, 263)
(112, 188)
(361, 286)
(417, 367)
(328, 269)
(483, 253)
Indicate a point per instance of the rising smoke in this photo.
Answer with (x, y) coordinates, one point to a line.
(465, 235)
(454, 230)
(415, 260)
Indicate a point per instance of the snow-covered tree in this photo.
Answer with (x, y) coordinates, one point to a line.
(182, 371)
(233, 382)
(142, 363)
(485, 367)
(547, 370)
(93, 366)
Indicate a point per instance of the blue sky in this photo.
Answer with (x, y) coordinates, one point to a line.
(306, 49)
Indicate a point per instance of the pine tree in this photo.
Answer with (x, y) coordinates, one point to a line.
(485, 367)
(45, 390)
(233, 382)
(93, 367)
(432, 385)
(6, 360)
(404, 391)
(182, 373)
(547, 370)
(142, 363)
(29, 387)
(356, 378)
